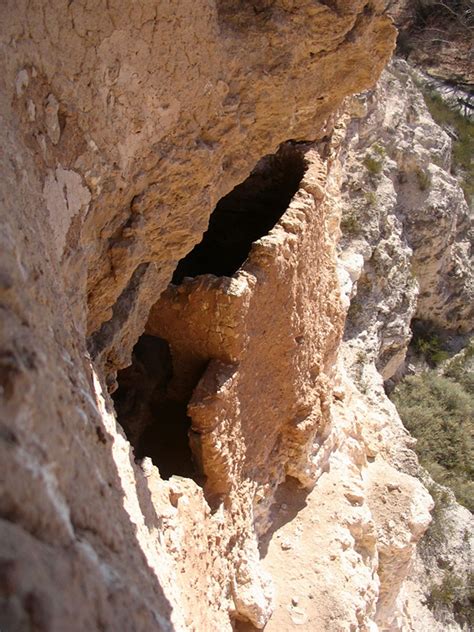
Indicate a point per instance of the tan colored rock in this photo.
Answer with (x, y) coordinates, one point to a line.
(257, 352)
(400, 508)
(160, 112)
(123, 124)
(264, 394)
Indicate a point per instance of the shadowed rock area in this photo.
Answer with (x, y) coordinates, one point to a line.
(156, 424)
(247, 213)
(151, 400)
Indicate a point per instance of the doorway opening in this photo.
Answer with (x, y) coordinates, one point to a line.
(156, 424)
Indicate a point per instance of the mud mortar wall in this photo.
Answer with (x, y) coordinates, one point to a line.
(122, 126)
(269, 335)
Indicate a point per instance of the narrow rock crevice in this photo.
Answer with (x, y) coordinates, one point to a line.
(102, 338)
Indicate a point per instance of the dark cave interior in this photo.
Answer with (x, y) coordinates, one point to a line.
(246, 214)
(155, 423)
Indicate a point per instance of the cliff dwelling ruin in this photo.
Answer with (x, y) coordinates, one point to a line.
(198, 198)
(152, 398)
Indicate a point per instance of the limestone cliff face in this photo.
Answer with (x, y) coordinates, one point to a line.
(406, 252)
(407, 228)
(122, 126)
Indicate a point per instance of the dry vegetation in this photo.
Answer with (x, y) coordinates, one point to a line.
(438, 409)
(461, 130)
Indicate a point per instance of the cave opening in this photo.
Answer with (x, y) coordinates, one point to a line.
(246, 214)
(154, 419)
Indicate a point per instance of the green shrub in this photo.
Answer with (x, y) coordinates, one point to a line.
(379, 150)
(431, 347)
(373, 166)
(455, 593)
(439, 356)
(446, 593)
(355, 310)
(350, 224)
(439, 413)
(458, 370)
(370, 198)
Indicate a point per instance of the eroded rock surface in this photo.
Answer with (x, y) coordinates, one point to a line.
(122, 126)
(138, 119)
(407, 229)
(406, 253)
(247, 442)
